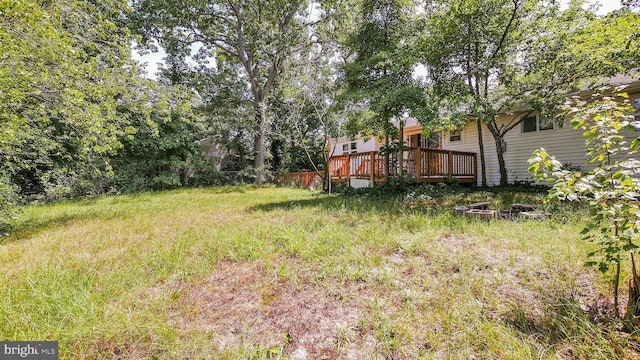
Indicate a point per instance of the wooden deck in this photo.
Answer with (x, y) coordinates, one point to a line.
(426, 165)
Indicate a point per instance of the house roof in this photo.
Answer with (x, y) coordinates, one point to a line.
(624, 80)
(631, 83)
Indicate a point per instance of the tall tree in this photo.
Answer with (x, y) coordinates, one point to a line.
(467, 43)
(378, 70)
(309, 114)
(257, 35)
(485, 57)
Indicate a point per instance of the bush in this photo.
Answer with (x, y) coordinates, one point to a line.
(205, 173)
(8, 201)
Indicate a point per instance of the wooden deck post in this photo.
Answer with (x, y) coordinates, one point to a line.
(418, 159)
(372, 167)
(349, 170)
(450, 165)
(330, 176)
(475, 169)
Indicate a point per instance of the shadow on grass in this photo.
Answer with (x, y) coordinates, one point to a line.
(325, 202)
(87, 209)
(240, 189)
(390, 200)
(391, 205)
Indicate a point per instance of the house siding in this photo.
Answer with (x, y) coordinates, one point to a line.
(469, 143)
(565, 143)
(362, 145)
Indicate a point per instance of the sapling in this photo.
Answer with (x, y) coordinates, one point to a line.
(611, 189)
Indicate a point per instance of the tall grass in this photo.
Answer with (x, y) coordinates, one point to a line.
(138, 276)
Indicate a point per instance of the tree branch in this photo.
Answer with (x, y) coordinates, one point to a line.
(506, 30)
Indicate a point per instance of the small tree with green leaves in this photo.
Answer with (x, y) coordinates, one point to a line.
(611, 190)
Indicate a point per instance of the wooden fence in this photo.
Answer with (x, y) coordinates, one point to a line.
(303, 180)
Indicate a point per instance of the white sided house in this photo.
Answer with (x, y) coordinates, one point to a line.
(448, 153)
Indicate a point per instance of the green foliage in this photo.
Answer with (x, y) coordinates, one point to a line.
(612, 43)
(394, 147)
(69, 71)
(79, 120)
(430, 191)
(205, 173)
(8, 201)
(379, 76)
(611, 188)
(486, 58)
(158, 157)
(251, 40)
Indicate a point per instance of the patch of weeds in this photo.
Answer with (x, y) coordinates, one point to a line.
(345, 335)
(563, 323)
(388, 339)
(437, 190)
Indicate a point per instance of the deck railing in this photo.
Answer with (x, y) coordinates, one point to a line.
(427, 165)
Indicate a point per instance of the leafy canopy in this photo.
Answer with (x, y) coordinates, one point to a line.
(378, 75)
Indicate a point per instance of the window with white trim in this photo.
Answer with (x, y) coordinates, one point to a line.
(537, 123)
(455, 135)
(545, 122)
(350, 148)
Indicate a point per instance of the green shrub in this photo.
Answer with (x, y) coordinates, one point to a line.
(8, 200)
(611, 189)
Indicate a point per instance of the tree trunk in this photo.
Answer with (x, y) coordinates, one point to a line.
(501, 164)
(616, 287)
(400, 154)
(326, 158)
(483, 168)
(259, 142)
(277, 149)
(632, 317)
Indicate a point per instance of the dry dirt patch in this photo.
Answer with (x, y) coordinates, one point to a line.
(248, 306)
(245, 304)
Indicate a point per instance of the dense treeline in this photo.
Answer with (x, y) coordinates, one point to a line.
(76, 114)
(258, 86)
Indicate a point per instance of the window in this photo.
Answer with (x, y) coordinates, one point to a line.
(545, 123)
(529, 124)
(416, 140)
(455, 135)
(432, 141)
(537, 123)
(350, 148)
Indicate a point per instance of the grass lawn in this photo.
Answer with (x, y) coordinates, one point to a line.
(240, 272)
